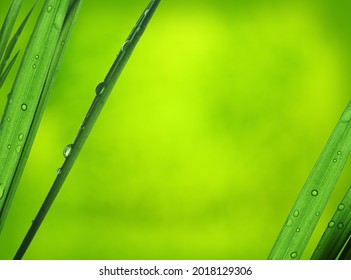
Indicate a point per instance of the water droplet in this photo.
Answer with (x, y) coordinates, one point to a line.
(49, 9)
(37, 56)
(9, 146)
(289, 223)
(331, 224)
(318, 213)
(296, 213)
(340, 225)
(20, 136)
(335, 160)
(100, 88)
(297, 229)
(341, 207)
(18, 148)
(62, 43)
(293, 255)
(124, 45)
(8, 119)
(32, 59)
(67, 150)
(24, 107)
(34, 66)
(58, 172)
(339, 153)
(314, 193)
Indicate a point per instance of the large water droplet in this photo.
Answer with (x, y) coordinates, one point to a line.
(296, 213)
(67, 150)
(331, 224)
(125, 45)
(293, 255)
(341, 207)
(49, 9)
(24, 107)
(20, 136)
(100, 88)
(340, 225)
(314, 193)
(289, 223)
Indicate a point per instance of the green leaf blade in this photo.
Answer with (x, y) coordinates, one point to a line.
(8, 24)
(337, 232)
(4, 75)
(14, 40)
(102, 94)
(315, 193)
(25, 95)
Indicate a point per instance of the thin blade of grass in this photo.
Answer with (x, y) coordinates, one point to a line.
(346, 253)
(72, 151)
(8, 69)
(337, 232)
(14, 40)
(25, 96)
(8, 24)
(315, 193)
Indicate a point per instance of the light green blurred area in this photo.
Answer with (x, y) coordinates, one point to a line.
(206, 140)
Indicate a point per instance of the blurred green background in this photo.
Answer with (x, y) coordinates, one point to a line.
(206, 140)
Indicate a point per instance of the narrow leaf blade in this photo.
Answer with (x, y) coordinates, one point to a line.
(102, 95)
(8, 24)
(8, 69)
(337, 232)
(314, 195)
(14, 40)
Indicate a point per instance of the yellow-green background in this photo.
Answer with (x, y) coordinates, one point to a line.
(206, 140)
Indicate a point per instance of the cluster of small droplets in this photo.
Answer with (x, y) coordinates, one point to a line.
(339, 154)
